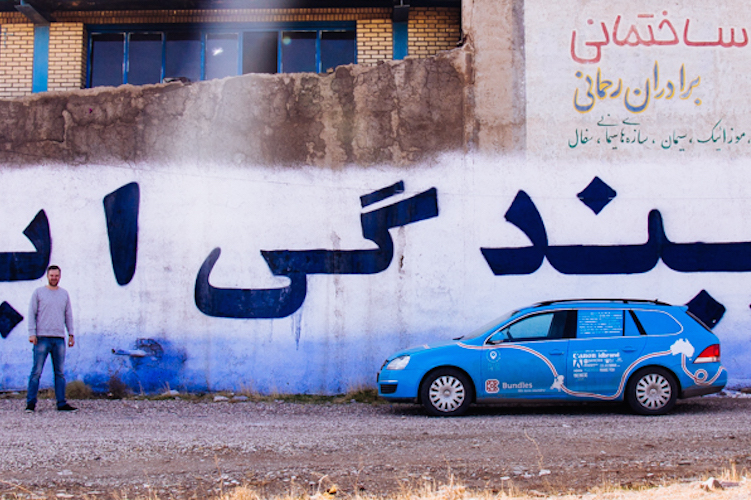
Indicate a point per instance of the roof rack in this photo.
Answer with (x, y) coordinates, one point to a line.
(617, 301)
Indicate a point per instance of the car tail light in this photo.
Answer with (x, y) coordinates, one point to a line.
(709, 355)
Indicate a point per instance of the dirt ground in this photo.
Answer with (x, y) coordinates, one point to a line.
(182, 449)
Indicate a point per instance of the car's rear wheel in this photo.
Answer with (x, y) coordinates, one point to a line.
(446, 392)
(652, 391)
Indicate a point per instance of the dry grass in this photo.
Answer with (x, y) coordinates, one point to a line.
(681, 491)
(735, 487)
(78, 389)
(117, 389)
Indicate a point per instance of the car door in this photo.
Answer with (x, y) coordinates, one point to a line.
(607, 343)
(527, 359)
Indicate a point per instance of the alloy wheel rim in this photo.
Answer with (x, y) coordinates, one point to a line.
(653, 391)
(447, 393)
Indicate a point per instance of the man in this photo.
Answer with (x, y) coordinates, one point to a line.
(49, 315)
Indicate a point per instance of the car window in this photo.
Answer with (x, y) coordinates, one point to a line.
(658, 322)
(537, 327)
(599, 323)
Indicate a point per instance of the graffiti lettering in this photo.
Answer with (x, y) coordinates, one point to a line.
(615, 259)
(718, 137)
(598, 87)
(297, 264)
(664, 35)
(121, 212)
(27, 266)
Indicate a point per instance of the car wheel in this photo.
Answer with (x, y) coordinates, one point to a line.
(446, 393)
(652, 391)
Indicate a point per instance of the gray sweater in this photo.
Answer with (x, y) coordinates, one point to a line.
(50, 313)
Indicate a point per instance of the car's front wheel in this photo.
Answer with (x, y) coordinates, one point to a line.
(652, 391)
(446, 392)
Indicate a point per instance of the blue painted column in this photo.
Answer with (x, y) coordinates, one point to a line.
(401, 39)
(41, 65)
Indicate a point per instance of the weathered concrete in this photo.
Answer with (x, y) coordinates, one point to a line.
(495, 32)
(398, 113)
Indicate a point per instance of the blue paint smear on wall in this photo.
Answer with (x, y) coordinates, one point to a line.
(154, 364)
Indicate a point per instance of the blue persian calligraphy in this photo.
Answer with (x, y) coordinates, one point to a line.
(121, 212)
(611, 259)
(26, 266)
(297, 264)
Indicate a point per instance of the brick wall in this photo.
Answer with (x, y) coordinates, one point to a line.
(430, 31)
(67, 66)
(433, 29)
(374, 41)
(16, 59)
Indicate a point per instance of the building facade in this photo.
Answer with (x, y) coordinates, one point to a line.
(57, 46)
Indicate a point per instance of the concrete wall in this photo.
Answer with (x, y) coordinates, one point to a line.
(495, 32)
(168, 308)
(288, 232)
(397, 113)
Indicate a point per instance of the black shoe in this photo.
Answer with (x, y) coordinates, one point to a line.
(67, 407)
(31, 407)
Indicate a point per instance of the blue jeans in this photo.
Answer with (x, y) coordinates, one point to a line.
(55, 347)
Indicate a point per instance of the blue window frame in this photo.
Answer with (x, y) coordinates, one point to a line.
(148, 54)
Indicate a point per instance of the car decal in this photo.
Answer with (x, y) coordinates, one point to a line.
(681, 346)
(700, 377)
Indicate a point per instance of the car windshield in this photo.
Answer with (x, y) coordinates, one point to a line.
(488, 326)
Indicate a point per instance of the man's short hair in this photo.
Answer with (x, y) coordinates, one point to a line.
(53, 268)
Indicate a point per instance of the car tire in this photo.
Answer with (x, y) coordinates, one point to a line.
(652, 391)
(446, 392)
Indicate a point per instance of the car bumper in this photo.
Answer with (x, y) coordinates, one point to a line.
(695, 391)
(717, 385)
(699, 389)
(398, 385)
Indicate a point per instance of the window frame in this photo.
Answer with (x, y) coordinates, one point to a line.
(569, 323)
(204, 30)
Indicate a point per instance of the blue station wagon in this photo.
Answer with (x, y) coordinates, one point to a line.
(646, 353)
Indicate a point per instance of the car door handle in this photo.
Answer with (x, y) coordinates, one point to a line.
(555, 353)
(629, 349)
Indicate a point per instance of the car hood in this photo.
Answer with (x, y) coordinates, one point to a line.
(424, 347)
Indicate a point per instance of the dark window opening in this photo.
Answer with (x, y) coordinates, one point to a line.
(221, 55)
(182, 56)
(260, 51)
(140, 56)
(107, 51)
(337, 48)
(298, 52)
(145, 58)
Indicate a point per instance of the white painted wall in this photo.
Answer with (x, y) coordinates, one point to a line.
(348, 324)
(712, 121)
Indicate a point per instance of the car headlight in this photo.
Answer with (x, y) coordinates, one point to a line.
(398, 363)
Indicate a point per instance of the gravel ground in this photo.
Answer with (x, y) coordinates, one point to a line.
(184, 449)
